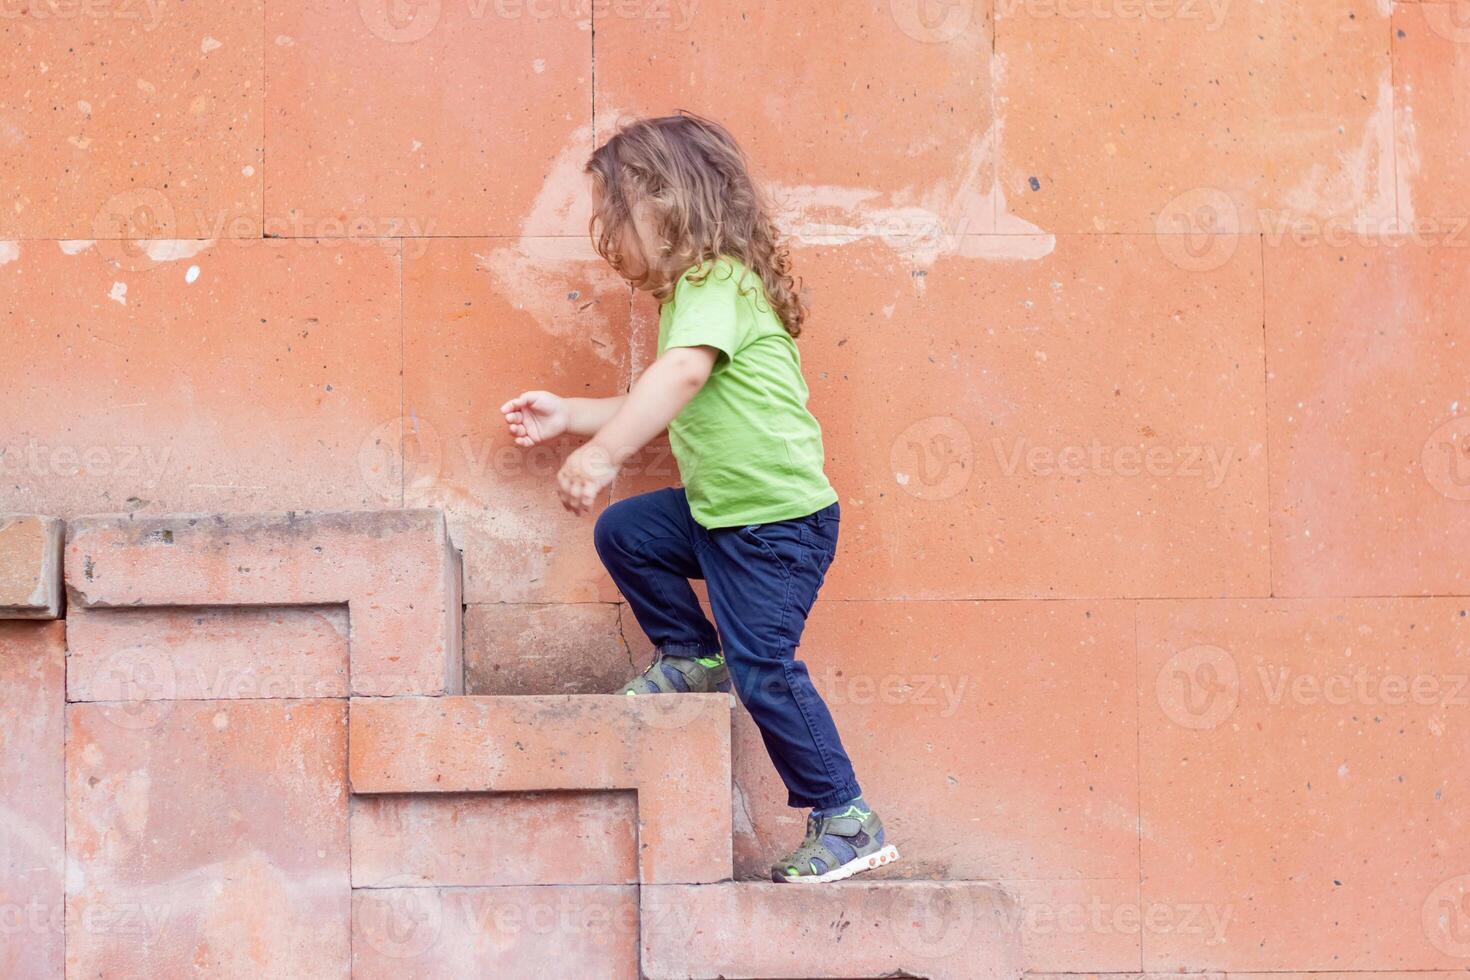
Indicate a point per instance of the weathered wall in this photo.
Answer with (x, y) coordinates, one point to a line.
(1138, 337)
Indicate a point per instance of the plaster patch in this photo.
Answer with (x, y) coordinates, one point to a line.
(173, 249)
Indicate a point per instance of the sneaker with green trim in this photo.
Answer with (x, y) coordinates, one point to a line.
(669, 674)
(837, 846)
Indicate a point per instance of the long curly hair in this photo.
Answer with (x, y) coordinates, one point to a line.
(693, 183)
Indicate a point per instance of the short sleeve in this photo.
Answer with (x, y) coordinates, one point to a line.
(707, 313)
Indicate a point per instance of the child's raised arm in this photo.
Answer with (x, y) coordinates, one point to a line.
(535, 417)
(660, 394)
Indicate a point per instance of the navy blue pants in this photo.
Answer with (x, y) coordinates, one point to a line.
(762, 582)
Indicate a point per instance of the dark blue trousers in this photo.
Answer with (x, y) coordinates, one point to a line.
(762, 582)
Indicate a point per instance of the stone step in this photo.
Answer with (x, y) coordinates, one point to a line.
(941, 930)
(549, 931)
(396, 571)
(674, 752)
(30, 566)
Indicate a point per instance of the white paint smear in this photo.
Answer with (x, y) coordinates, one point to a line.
(119, 293)
(9, 252)
(174, 249)
(76, 246)
(964, 215)
(1367, 174)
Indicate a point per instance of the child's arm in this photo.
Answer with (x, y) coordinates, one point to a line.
(535, 417)
(660, 394)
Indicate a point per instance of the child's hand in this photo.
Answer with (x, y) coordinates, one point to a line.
(584, 475)
(535, 416)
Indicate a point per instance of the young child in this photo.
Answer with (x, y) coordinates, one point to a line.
(676, 213)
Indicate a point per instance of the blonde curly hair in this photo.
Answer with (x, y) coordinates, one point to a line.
(693, 184)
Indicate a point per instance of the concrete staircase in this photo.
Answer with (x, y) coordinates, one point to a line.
(268, 758)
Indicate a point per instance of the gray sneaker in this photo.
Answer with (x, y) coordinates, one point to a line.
(837, 846)
(669, 674)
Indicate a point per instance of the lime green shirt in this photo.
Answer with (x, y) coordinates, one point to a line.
(748, 450)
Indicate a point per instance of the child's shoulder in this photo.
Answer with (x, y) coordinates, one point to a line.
(725, 268)
(726, 277)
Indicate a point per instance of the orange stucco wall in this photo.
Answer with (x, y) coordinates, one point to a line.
(1138, 337)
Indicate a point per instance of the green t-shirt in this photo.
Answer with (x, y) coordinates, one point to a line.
(749, 452)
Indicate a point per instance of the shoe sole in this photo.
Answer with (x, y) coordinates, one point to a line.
(868, 862)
